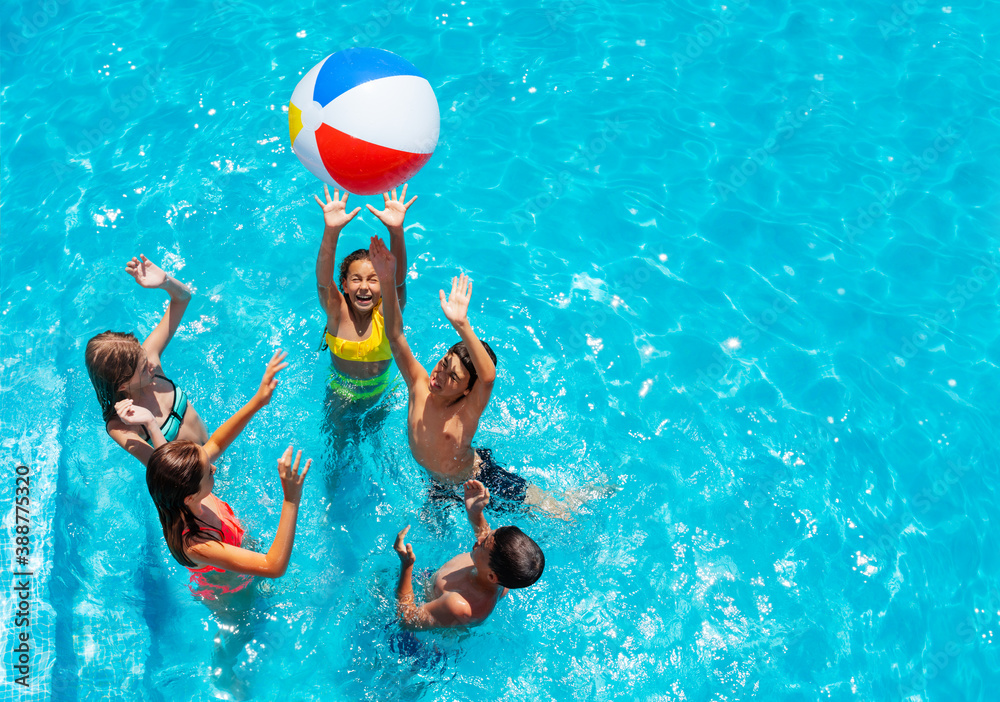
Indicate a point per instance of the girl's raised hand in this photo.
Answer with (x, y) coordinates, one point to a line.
(269, 383)
(146, 273)
(291, 479)
(395, 208)
(335, 211)
(131, 414)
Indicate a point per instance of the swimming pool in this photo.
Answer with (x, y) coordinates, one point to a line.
(740, 265)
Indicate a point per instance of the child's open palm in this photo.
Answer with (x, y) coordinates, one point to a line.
(269, 382)
(395, 208)
(456, 306)
(335, 214)
(291, 478)
(146, 273)
(382, 259)
(477, 497)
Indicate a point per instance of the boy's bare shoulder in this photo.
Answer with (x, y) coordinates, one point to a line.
(450, 609)
(472, 408)
(418, 389)
(458, 606)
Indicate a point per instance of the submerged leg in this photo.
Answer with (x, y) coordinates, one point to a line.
(234, 614)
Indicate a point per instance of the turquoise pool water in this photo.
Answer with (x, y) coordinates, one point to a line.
(739, 264)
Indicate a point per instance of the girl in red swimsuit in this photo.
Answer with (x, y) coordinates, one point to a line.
(201, 530)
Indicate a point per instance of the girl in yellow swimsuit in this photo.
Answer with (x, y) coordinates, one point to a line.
(355, 328)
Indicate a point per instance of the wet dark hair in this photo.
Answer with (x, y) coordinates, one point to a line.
(515, 558)
(345, 265)
(174, 472)
(462, 351)
(111, 360)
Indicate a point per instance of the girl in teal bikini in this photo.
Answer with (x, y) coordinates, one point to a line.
(355, 327)
(141, 407)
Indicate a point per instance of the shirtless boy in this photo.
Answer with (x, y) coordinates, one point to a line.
(467, 588)
(445, 405)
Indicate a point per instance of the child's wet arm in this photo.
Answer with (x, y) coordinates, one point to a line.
(485, 368)
(273, 564)
(383, 262)
(180, 296)
(394, 332)
(397, 244)
(178, 291)
(155, 434)
(134, 444)
(324, 265)
(281, 548)
(479, 524)
(225, 435)
(405, 608)
(390, 307)
(409, 367)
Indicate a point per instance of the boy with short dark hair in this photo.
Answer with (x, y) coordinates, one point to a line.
(445, 405)
(467, 588)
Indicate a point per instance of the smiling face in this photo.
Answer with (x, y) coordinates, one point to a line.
(449, 379)
(361, 286)
(142, 376)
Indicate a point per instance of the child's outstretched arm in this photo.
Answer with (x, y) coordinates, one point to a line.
(477, 496)
(220, 439)
(456, 309)
(451, 609)
(392, 217)
(335, 217)
(149, 275)
(273, 563)
(385, 267)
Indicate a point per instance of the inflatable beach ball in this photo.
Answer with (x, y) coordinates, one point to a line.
(364, 119)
